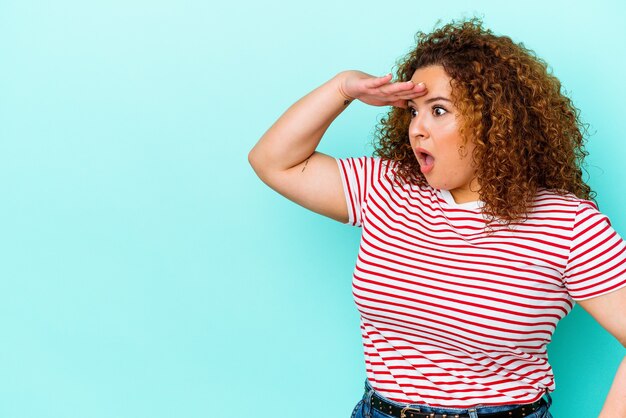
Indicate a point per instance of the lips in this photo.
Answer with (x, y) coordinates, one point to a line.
(425, 160)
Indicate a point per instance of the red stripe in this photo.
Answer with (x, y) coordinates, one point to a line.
(615, 257)
(426, 227)
(416, 308)
(443, 290)
(445, 247)
(430, 260)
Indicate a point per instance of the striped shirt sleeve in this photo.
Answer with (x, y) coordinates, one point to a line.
(597, 259)
(356, 176)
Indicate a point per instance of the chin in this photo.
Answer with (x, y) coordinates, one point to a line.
(435, 184)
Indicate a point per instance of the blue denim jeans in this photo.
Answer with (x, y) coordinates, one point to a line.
(363, 408)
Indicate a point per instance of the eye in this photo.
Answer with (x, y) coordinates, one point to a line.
(439, 111)
(412, 112)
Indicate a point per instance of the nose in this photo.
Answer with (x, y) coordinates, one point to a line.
(418, 128)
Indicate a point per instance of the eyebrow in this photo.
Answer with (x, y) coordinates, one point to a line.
(433, 99)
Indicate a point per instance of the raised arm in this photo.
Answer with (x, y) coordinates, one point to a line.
(285, 157)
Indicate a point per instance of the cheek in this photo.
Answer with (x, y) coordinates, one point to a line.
(449, 136)
(450, 129)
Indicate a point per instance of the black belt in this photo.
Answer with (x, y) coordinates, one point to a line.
(405, 412)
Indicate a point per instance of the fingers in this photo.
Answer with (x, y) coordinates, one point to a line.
(379, 91)
(404, 94)
(417, 91)
(400, 99)
(376, 82)
(386, 87)
(405, 87)
(397, 87)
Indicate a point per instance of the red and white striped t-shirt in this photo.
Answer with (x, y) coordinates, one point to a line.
(453, 315)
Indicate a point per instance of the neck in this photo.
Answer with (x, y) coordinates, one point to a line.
(463, 197)
(466, 194)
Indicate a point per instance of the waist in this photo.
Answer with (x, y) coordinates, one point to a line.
(378, 402)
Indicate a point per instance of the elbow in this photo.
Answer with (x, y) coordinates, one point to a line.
(251, 157)
(255, 161)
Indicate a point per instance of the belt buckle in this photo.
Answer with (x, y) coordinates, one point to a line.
(406, 408)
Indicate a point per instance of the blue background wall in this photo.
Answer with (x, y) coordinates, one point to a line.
(146, 272)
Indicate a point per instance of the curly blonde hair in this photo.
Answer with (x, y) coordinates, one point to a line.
(528, 134)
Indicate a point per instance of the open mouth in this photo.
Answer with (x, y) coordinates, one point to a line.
(425, 160)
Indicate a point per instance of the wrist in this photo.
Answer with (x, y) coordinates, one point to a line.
(341, 87)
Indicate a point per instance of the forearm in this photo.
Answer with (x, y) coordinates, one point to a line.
(297, 133)
(615, 404)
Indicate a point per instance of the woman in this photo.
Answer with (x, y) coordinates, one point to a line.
(478, 232)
